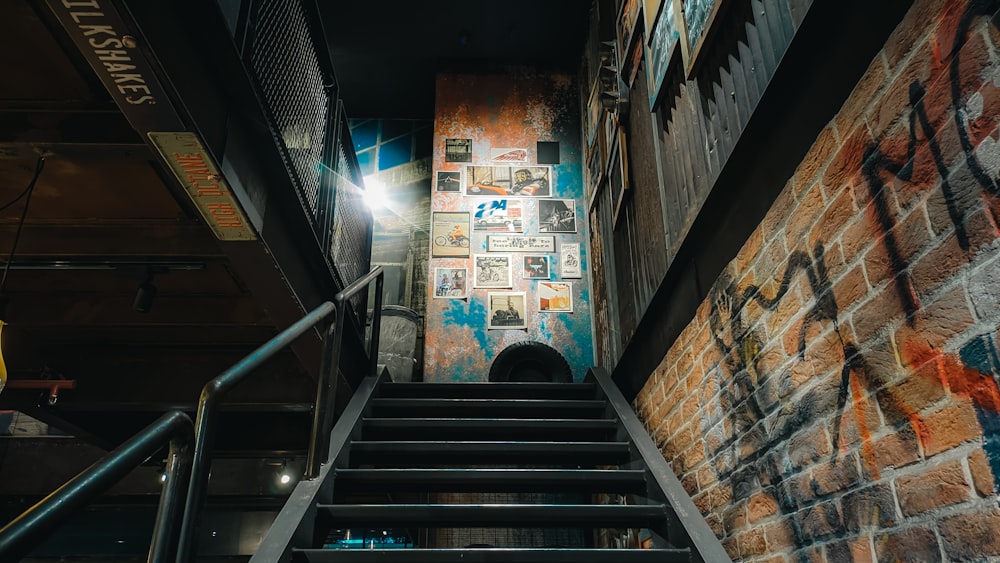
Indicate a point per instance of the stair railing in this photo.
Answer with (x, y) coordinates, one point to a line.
(701, 538)
(323, 411)
(29, 529)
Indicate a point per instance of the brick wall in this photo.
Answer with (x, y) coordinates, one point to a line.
(836, 396)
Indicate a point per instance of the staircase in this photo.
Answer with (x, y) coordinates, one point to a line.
(496, 472)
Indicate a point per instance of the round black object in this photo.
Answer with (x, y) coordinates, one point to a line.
(530, 361)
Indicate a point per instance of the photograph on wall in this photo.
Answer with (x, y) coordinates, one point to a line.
(521, 243)
(449, 182)
(569, 260)
(700, 22)
(451, 283)
(499, 216)
(450, 234)
(520, 181)
(557, 215)
(661, 51)
(509, 155)
(536, 267)
(555, 297)
(458, 150)
(492, 270)
(506, 310)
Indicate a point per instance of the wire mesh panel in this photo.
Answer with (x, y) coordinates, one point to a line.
(351, 241)
(284, 60)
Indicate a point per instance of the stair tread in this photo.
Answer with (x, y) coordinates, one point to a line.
(489, 390)
(492, 480)
(463, 445)
(491, 403)
(496, 555)
(518, 422)
(497, 515)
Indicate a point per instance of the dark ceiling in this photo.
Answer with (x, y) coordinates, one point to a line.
(386, 54)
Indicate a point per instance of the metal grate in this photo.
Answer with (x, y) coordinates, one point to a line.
(288, 73)
(350, 244)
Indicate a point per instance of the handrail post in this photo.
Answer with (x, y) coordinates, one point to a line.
(323, 392)
(166, 530)
(376, 326)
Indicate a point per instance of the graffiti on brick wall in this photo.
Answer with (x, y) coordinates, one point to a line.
(751, 399)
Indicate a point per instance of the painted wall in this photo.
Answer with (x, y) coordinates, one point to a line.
(836, 396)
(507, 111)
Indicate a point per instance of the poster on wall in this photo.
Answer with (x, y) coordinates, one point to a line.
(499, 215)
(700, 17)
(555, 297)
(458, 150)
(506, 310)
(449, 182)
(508, 155)
(662, 51)
(520, 243)
(520, 181)
(536, 267)
(451, 283)
(450, 234)
(626, 24)
(569, 260)
(492, 270)
(557, 215)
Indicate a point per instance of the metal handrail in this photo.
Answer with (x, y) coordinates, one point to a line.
(26, 531)
(212, 392)
(701, 537)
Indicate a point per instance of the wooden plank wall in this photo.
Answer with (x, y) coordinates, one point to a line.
(675, 155)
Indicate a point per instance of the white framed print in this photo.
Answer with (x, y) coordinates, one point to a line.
(555, 297)
(557, 215)
(451, 283)
(506, 310)
(491, 270)
(536, 267)
(569, 260)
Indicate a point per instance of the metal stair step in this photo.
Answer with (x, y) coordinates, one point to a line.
(491, 480)
(435, 453)
(509, 390)
(534, 429)
(493, 555)
(495, 515)
(488, 408)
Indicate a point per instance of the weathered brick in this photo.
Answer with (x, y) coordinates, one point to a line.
(822, 149)
(751, 248)
(690, 482)
(911, 544)
(846, 163)
(896, 450)
(881, 309)
(720, 495)
(855, 550)
(761, 505)
(779, 535)
(811, 205)
(982, 475)
(735, 518)
(707, 477)
(919, 18)
(895, 100)
(866, 90)
(808, 446)
(973, 536)
(921, 390)
(938, 266)
(950, 427)
(811, 554)
(871, 506)
(714, 522)
(819, 521)
(752, 543)
(838, 476)
(837, 214)
(879, 267)
(851, 288)
(940, 486)
(779, 212)
(732, 547)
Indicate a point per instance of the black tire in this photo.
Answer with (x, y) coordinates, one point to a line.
(530, 361)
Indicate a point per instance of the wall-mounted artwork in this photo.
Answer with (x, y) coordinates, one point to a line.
(451, 283)
(557, 215)
(521, 243)
(662, 50)
(458, 150)
(555, 297)
(492, 270)
(498, 215)
(569, 260)
(450, 234)
(536, 267)
(506, 310)
(521, 181)
(509, 155)
(449, 181)
(700, 17)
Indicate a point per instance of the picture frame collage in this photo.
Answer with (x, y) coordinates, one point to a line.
(494, 203)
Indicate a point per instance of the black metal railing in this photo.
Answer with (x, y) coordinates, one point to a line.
(326, 395)
(29, 529)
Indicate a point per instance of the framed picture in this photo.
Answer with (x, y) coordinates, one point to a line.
(451, 283)
(557, 215)
(450, 234)
(699, 19)
(662, 51)
(507, 181)
(458, 150)
(521, 243)
(506, 310)
(569, 260)
(492, 270)
(555, 297)
(498, 216)
(449, 181)
(536, 267)
(618, 176)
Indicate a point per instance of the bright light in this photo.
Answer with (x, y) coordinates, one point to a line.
(285, 478)
(163, 477)
(375, 197)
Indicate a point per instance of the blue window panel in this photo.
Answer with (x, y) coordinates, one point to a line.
(394, 153)
(366, 161)
(392, 128)
(364, 134)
